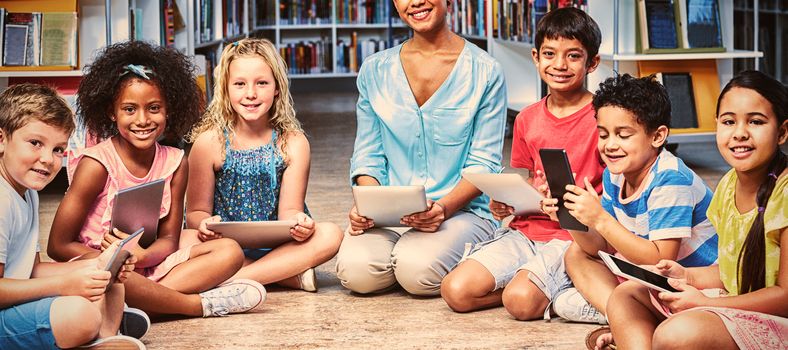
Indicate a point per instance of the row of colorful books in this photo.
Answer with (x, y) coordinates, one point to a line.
(307, 57)
(294, 12)
(38, 38)
(511, 19)
(231, 13)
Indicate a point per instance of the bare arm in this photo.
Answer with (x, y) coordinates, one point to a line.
(169, 231)
(53, 279)
(295, 178)
(202, 180)
(88, 182)
(770, 300)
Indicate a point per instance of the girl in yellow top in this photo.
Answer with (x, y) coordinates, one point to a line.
(750, 212)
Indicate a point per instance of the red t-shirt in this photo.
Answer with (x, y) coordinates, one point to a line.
(534, 128)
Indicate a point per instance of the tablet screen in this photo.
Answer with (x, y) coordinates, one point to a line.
(642, 274)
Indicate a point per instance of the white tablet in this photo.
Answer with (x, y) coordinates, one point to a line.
(386, 205)
(636, 273)
(138, 207)
(255, 234)
(511, 189)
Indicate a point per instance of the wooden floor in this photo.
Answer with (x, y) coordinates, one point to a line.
(333, 317)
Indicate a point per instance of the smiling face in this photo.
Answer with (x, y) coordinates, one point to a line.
(563, 64)
(140, 114)
(32, 155)
(748, 132)
(251, 88)
(625, 145)
(423, 16)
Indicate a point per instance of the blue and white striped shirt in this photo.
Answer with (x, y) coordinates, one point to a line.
(672, 204)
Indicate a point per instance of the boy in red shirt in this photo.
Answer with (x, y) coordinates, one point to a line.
(523, 266)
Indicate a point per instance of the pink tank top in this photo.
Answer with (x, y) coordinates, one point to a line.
(97, 222)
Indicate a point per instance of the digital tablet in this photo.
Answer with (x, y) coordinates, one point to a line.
(559, 174)
(511, 189)
(386, 205)
(120, 255)
(255, 234)
(633, 272)
(138, 207)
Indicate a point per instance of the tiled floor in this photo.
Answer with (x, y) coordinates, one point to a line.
(334, 318)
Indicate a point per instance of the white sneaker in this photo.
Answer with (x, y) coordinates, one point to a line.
(571, 306)
(117, 342)
(236, 296)
(308, 280)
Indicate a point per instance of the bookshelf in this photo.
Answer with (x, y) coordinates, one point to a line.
(321, 29)
(617, 21)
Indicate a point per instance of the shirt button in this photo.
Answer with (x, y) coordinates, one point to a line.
(421, 174)
(419, 154)
(418, 135)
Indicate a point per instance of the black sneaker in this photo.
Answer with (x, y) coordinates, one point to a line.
(135, 323)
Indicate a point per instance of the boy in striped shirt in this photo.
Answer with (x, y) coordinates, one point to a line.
(653, 206)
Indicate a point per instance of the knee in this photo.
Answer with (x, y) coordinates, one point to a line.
(226, 249)
(76, 319)
(357, 272)
(573, 255)
(417, 277)
(621, 300)
(523, 303)
(456, 293)
(677, 332)
(329, 238)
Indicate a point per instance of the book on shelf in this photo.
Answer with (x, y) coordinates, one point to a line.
(361, 11)
(658, 25)
(678, 26)
(295, 12)
(59, 39)
(351, 54)
(688, 83)
(2, 35)
(266, 12)
(15, 42)
(31, 50)
(307, 57)
(701, 20)
(682, 99)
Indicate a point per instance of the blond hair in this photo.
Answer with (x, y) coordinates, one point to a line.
(220, 115)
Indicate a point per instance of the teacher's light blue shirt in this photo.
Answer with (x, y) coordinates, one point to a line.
(460, 128)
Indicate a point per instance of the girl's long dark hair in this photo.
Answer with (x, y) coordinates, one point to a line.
(752, 257)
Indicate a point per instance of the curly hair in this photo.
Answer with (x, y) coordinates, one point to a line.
(22, 103)
(644, 97)
(172, 73)
(220, 115)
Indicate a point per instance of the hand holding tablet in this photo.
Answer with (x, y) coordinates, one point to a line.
(636, 273)
(255, 234)
(511, 189)
(119, 256)
(386, 205)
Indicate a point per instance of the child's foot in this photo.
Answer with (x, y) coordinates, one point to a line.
(308, 280)
(117, 342)
(135, 323)
(236, 296)
(600, 339)
(571, 306)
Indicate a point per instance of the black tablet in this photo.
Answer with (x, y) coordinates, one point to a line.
(559, 174)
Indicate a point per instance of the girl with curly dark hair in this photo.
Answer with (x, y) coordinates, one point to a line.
(133, 95)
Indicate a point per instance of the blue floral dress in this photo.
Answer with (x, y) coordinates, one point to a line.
(248, 184)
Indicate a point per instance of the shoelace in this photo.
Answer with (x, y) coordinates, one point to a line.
(588, 312)
(227, 300)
